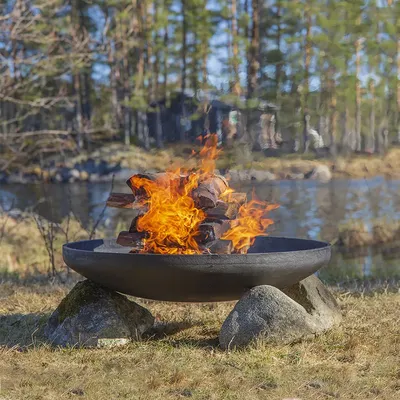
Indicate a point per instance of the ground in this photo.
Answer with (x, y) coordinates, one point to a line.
(239, 157)
(358, 360)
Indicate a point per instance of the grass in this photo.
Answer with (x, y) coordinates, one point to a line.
(181, 358)
(358, 360)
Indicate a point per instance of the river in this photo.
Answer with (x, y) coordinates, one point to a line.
(308, 209)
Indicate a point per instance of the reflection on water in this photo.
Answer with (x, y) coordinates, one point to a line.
(307, 210)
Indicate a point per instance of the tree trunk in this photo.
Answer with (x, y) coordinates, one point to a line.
(372, 118)
(254, 50)
(235, 48)
(184, 72)
(79, 117)
(165, 64)
(398, 90)
(278, 68)
(358, 46)
(307, 57)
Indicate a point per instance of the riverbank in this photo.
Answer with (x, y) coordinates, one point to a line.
(117, 162)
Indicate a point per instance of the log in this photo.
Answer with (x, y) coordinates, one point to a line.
(121, 200)
(218, 182)
(140, 192)
(133, 227)
(221, 247)
(239, 198)
(209, 232)
(222, 211)
(131, 239)
(204, 196)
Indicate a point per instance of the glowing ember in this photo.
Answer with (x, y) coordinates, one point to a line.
(193, 212)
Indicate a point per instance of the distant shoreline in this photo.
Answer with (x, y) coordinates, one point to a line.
(118, 162)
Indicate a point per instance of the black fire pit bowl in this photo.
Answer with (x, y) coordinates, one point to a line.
(276, 261)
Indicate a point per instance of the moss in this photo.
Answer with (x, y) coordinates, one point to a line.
(83, 293)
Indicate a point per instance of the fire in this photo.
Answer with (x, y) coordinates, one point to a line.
(250, 223)
(172, 218)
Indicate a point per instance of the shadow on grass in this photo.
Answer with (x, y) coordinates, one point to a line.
(21, 330)
(167, 331)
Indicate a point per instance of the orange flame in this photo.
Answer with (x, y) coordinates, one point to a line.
(251, 222)
(172, 220)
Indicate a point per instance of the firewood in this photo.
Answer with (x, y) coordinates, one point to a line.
(209, 232)
(218, 183)
(151, 177)
(133, 227)
(121, 200)
(204, 196)
(243, 250)
(131, 239)
(222, 211)
(221, 247)
(239, 198)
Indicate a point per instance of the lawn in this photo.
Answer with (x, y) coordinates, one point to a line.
(358, 360)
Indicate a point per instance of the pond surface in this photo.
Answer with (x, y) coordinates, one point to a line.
(308, 209)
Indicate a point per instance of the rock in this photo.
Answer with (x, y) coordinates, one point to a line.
(93, 316)
(261, 176)
(321, 173)
(94, 178)
(17, 178)
(3, 177)
(294, 176)
(102, 168)
(248, 176)
(301, 311)
(84, 176)
(75, 173)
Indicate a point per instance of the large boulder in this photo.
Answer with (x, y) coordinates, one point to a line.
(93, 316)
(299, 312)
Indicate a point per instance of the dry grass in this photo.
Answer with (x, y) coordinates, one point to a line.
(359, 360)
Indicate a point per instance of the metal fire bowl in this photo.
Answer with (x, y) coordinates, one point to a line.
(275, 261)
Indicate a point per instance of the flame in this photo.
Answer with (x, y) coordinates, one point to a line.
(172, 219)
(252, 221)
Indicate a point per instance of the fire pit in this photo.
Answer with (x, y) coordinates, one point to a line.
(193, 238)
(275, 261)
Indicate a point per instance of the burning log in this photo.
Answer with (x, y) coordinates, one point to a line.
(121, 200)
(204, 196)
(239, 198)
(209, 232)
(133, 227)
(208, 191)
(131, 239)
(218, 182)
(222, 211)
(221, 247)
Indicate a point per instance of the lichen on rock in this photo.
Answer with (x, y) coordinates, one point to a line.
(91, 315)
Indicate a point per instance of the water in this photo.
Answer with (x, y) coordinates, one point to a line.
(308, 209)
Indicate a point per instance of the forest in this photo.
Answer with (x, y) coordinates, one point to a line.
(77, 73)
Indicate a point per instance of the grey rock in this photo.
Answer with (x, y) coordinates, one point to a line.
(321, 173)
(17, 178)
(93, 316)
(295, 176)
(301, 311)
(75, 174)
(94, 178)
(261, 176)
